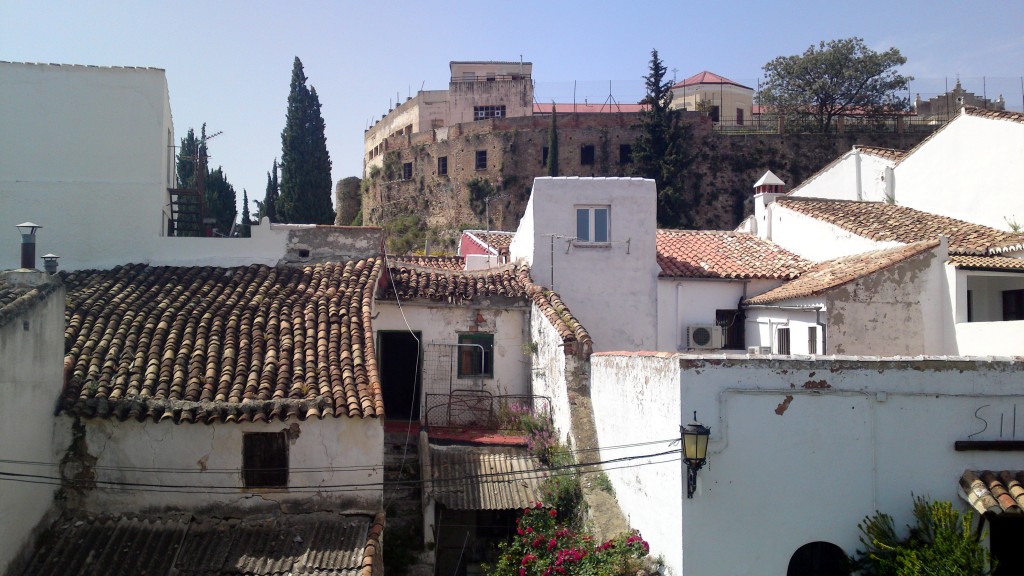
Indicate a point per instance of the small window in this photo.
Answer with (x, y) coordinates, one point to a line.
(714, 113)
(587, 155)
(812, 339)
(544, 156)
(407, 171)
(1013, 304)
(739, 116)
(625, 153)
(782, 341)
(481, 159)
(592, 224)
(731, 322)
(476, 356)
(442, 166)
(485, 112)
(265, 460)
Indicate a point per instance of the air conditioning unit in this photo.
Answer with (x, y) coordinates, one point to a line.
(759, 350)
(704, 336)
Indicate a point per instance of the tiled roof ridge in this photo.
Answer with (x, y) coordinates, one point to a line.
(404, 282)
(558, 314)
(222, 344)
(881, 151)
(373, 553)
(986, 262)
(414, 261)
(994, 114)
(879, 260)
(64, 65)
(25, 301)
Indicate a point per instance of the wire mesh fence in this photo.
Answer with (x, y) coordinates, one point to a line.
(481, 410)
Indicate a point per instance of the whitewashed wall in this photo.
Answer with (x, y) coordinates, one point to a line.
(636, 400)
(551, 370)
(763, 323)
(683, 303)
(31, 360)
(853, 176)
(611, 289)
(800, 450)
(814, 239)
(971, 170)
(199, 456)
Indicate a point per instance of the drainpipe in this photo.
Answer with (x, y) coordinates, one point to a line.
(859, 179)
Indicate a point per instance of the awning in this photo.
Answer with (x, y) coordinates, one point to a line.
(995, 492)
(485, 478)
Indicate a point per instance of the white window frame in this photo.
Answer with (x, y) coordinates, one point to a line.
(592, 210)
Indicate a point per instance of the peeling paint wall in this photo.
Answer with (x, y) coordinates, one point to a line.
(31, 360)
(636, 401)
(552, 371)
(201, 464)
(332, 243)
(813, 446)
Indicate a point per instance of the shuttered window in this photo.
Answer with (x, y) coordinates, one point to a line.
(265, 460)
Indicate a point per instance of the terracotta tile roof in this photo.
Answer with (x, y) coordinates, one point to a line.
(509, 281)
(486, 478)
(15, 299)
(294, 544)
(207, 344)
(834, 273)
(494, 240)
(885, 153)
(995, 114)
(987, 262)
(994, 491)
(715, 254)
(889, 222)
(452, 263)
(706, 77)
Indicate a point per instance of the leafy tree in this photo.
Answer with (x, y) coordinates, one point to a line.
(188, 154)
(268, 208)
(553, 143)
(661, 150)
(305, 194)
(941, 543)
(835, 78)
(220, 201)
(245, 229)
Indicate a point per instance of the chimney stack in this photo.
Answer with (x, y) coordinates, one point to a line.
(28, 244)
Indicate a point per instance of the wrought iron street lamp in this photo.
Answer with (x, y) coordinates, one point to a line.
(695, 451)
(28, 244)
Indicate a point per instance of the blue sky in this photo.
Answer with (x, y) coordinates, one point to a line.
(229, 63)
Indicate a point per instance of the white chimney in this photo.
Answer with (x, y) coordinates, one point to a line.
(766, 190)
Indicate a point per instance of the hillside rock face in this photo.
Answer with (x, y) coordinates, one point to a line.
(434, 184)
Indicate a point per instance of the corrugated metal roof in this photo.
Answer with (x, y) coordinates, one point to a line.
(285, 544)
(485, 478)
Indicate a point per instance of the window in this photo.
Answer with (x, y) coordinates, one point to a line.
(592, 224)
(442, 165)
(485, 112)
(407, 171)
(714, 113)
(476, 356)
(812, 339)
(782, 341)
(739, 116)
(544, 156)
(1013, 304)
(625, 153)
(481, 159)
(587, 155)
(731, 322)
(265, 460)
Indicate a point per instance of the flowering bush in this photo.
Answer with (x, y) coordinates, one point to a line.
(544, 547)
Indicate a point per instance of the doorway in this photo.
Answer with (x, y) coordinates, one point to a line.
(400, 362)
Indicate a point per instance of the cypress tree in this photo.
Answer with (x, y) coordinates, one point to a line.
(305, 188)
(268, 208)
(553, 143)
(220, 201)
(245, 229)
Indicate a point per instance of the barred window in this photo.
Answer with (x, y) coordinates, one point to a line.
(485, 112)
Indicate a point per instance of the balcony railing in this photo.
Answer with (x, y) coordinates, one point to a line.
(481, 410)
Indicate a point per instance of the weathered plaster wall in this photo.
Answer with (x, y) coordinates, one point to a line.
(440, 324)
(551, 371)
(636, 402)
(31, 360)
(814, 239)
(683, 303)
(327, 459)
(811, 446)
(970, 170)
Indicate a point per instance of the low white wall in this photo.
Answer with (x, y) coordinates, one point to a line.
(31, 360)
(990, 338)
(551, 367)
(342, 458)
(636, 400)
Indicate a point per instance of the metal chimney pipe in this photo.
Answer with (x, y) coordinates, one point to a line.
(28, 244)
(50, 263)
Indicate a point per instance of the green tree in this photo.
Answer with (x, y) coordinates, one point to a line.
(245, 229)
(219, 196)
(553, 143)
(661, 150)
(835, 78)
(268, 207)
(305, 194)
(220, 202)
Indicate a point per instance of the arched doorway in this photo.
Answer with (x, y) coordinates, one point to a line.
(819, 559)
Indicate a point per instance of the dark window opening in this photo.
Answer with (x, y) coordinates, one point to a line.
(1005, 537)
(714, 113)
(819, 559)
(485, 112)
(732, 323)
(407, 171)
(400, 370)
(587, 155)
(970, 305)
(303, 253)
(625, 153)
(1013, 304)
(782, 341)
(476, 356)
(481, 159)
(265, 459)
(739, 116)
(544, 156)
(442, 166)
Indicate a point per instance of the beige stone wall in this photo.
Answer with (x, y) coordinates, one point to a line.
(729, 98)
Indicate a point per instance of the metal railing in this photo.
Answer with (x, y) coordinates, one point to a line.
(481, 410)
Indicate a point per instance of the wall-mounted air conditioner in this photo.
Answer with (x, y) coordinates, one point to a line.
(704, 337)
(759, 349)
